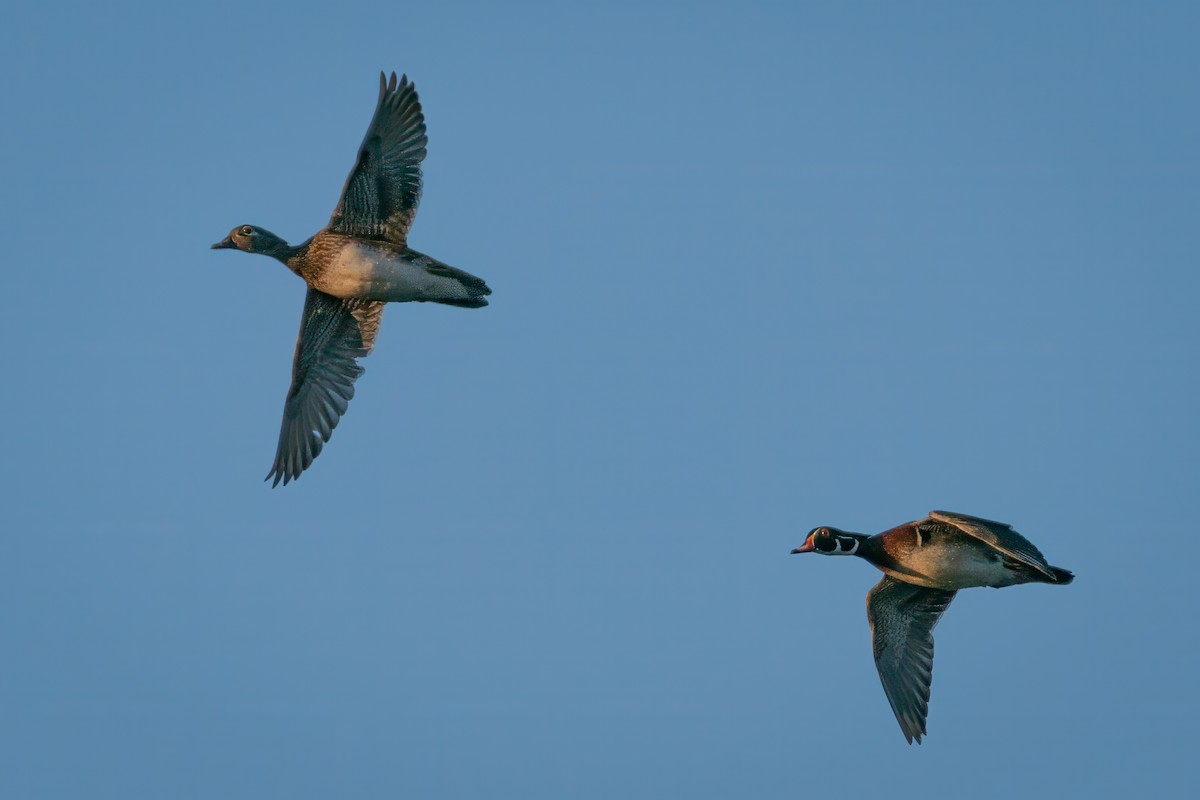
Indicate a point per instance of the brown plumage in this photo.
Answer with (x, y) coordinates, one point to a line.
(360, 261)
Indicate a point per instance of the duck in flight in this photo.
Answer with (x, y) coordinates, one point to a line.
(353, 266)
(924, 564)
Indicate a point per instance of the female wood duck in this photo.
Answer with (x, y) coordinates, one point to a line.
(925, 563)
(360, 261)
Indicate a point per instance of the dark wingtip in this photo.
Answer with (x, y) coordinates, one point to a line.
(387, 85)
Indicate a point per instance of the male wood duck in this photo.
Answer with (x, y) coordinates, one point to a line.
(925, 563)
(360, 261)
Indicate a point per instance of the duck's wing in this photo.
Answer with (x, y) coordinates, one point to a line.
(902, 618)
(379, 200)
(999, 536)
(334, 333)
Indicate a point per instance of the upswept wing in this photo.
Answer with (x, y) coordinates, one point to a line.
(380, 198)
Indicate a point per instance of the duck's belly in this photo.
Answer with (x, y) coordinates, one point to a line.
(376, 273)
(955, 566)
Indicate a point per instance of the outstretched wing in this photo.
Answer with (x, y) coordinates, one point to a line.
(1000, 537)
(379, 200)
(333, 334)
(902, 618)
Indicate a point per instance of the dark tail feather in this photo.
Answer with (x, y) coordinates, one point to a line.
(474, 302)
(476, 289)
(1063, 576)
(475, 286)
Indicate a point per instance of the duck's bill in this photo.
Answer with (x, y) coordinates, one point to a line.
(807, 547)
(225, 244)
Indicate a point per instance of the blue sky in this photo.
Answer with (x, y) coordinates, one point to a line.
(757, 267)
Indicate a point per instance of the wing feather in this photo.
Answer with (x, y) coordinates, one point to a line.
(383, 190)
(902, 618)
(334, 334)
(1001, 537)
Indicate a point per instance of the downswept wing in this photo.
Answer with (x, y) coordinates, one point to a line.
(999, 536)
(902, 618)
(334, 333)
(380, 198)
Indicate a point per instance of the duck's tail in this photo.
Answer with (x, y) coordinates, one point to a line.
(1063, 576)
(470, 292)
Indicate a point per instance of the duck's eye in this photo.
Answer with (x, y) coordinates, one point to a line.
(246, 230)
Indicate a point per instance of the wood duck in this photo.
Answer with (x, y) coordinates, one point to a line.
(353, 266)
(925, 562)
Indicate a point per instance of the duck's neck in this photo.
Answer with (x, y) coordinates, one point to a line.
(288, 254)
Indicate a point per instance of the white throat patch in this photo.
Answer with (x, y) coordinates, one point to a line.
(840, 551)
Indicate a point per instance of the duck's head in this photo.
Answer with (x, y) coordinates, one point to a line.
(252, 239)
(830, 542)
